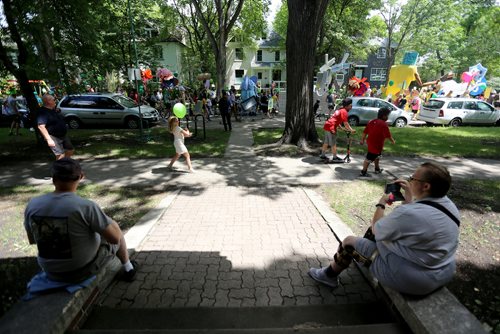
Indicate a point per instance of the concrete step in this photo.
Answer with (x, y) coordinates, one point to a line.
(390, 328)
(279, 319)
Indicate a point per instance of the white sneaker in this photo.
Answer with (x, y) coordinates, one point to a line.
(319, 275)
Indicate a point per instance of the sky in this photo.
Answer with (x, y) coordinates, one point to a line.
(275, 5)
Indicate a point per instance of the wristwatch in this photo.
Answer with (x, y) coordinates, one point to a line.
(382, 206)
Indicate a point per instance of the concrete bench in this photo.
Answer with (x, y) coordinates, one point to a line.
(440, 312)
(437, 313)
(59, 311)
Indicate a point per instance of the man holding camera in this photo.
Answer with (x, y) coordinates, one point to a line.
(412, 249)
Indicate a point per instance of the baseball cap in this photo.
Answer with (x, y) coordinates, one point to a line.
(66, 170)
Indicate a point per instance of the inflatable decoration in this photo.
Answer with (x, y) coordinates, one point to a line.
(179, 110)
(164, 74)
(478, 83)
(146, 74)
(400, 76)
(358, 87)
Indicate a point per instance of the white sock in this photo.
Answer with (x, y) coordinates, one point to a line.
(128, 266)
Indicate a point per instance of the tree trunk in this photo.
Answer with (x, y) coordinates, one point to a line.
(304, 20)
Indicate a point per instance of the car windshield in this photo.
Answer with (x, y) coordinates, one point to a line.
(434, 104)
(125, 101)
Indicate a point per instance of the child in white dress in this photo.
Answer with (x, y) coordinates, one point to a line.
(180, 148)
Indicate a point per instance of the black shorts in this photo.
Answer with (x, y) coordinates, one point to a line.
(372, 156)
(14, 118)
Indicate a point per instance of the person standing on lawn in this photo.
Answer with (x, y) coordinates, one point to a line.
(338, 118)
(53, 128)
(74, 237)
(13, 113)
(377, 132)
(412, 249)
(225, 110)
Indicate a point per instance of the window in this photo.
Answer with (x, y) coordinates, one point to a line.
(483, 106)
(107, 103)
(377, 74)
(455, 105)
(238, 54)
(365, 103)
(381, 53)
(339, 77)
(276, 56)
(259, 55)
(470, 105)
(276, 75)
(239, 73)
(86, 102)
(259, 75)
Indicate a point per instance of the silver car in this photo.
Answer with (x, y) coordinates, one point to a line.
(105, 109)
(364, 109)
(457, 111)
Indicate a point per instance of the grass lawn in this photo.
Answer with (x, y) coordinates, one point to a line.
(114, 143)
(18, 258)
(466, 142)
(478, 257)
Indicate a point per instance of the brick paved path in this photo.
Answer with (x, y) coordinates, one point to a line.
(236, 246)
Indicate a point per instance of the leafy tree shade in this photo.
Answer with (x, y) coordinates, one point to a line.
(304, 21)
(227, 14)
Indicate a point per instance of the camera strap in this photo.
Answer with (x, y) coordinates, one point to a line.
(442, 209)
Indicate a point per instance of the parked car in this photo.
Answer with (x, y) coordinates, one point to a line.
(458, 111)
(105, 109)
(364, 109)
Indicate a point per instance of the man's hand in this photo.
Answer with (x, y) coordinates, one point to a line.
(405, 185)
(51, 143)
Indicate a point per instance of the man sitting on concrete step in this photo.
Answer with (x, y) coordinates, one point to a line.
(74, 237)
(412, 249)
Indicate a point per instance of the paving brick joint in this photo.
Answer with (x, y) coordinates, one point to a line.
(231, 246)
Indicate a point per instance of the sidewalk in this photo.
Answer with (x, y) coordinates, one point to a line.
(240, 232)
(241, 167)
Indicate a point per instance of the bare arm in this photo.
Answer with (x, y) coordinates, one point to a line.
(45, 134)
(112, 233)
(379, 210)
(186, 132)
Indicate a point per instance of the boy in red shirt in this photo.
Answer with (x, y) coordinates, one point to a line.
(377, 132)
(338, 118)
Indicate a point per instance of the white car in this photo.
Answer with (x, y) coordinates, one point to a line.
(364, 109)
(458, 111)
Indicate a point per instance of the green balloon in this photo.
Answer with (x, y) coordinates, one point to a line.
(391, 83)
(179, 110)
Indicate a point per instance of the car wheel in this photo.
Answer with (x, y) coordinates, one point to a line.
(353, 121)
(456, 122)
(400, 122)
(132, 122)
(73, 123)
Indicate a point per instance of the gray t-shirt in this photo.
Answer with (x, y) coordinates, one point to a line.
(66, 229)
(417, 245)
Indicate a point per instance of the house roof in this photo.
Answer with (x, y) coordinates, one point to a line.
(382, 42)
(172, 39)
(273, 41)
